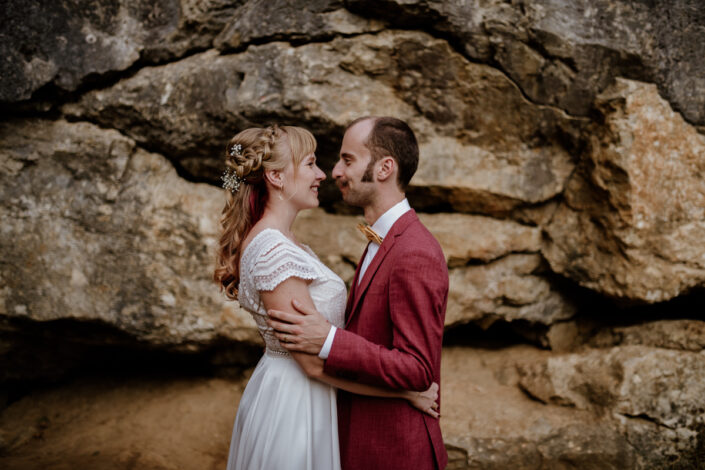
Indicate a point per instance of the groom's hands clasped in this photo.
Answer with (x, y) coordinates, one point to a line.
(304, 332)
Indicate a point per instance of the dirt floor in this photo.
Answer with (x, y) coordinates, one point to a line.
(185, 423)
(122, 424)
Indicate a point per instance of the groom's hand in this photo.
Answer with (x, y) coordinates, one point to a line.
(305, 332)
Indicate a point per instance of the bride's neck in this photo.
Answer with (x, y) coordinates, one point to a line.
(280, 216)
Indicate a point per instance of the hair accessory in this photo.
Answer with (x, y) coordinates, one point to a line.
(231, 181)
(236, 150)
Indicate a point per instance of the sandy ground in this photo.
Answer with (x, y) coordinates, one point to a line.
(127, 424)
(185, 423)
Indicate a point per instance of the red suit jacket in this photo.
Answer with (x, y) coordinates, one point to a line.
(392, 338)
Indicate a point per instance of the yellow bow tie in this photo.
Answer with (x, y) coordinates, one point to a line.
(370, 234)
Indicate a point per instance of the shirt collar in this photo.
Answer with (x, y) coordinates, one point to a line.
(386, 220)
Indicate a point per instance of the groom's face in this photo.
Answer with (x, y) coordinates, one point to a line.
(351, 173)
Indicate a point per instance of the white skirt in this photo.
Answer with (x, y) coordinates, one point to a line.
(285, 420)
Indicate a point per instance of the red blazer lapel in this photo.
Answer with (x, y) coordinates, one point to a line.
(369, 274)
(353, 286)
(358, 291)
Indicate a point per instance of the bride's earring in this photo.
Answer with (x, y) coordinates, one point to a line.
(281, 190)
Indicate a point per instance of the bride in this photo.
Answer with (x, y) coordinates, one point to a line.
(287, 417)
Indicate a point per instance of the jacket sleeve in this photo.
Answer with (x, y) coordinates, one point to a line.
(418, 292)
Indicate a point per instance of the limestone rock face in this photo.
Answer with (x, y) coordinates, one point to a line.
(97, 230)
(656, 395)
(632, 220)
(488, 423)
(469, 239)
(565, 53)
(68, 43)
(298, 20)
(473, 132)
(682, 335)
(496, 272)
(511, 289)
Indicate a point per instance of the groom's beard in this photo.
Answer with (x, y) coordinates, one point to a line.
(361, 195)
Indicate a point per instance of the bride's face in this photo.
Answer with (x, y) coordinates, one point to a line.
(302, 186)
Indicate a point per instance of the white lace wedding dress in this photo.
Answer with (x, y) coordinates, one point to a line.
(285, 420)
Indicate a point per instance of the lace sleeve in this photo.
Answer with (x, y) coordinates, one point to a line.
(278, 262)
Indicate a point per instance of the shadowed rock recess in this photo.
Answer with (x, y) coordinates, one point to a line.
(562, 169)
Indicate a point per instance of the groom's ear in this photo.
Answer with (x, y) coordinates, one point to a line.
(386, 168)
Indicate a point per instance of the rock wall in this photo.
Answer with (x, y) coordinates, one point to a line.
(562, 169)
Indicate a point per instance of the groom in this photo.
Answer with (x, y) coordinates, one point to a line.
(395, 310)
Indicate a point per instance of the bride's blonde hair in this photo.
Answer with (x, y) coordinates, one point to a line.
(261, 149)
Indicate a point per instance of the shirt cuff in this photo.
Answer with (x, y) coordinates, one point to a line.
(325, 350)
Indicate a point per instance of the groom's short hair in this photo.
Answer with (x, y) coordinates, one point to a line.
(393, 137)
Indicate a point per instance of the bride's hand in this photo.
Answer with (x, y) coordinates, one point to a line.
(425, 401)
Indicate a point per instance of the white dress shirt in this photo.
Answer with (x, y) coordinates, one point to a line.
(382, 227)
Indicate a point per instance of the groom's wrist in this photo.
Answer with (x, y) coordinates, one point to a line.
(327, 344)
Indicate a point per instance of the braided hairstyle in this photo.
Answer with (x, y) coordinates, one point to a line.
(269, 148)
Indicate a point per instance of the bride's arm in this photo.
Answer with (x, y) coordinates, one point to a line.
(425, 401)
(280, 298)
(297, 288)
